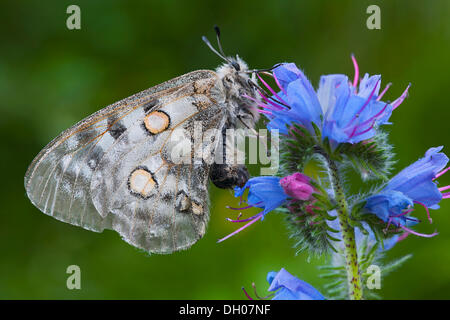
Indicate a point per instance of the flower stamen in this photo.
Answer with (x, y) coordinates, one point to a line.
(388, 225)
(403, 213)
(258, 296)
(262, 105)
(384, 91)
(375, 116)
(265, 112)
(365, 103)
(243, 208)
(419, 234)
(373, 119)
(271, 90)
(246, 294)
(355, 134)
(400, 99)
(278, 84)
(356, 77)
(258, 217)
(391, 218)
(441, 173)
(426, 208)
(403, 236)
(243, 220)
(275, 103)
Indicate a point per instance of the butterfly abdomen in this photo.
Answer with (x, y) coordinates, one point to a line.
(228, 176)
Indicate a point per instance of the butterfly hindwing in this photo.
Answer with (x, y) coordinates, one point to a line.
(113, 170)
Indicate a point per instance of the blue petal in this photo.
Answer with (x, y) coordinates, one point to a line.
(264, 179)
(291, 287)
(301, 97)
(288, 72)
(305, 107)
(285, 294)
(367, 85)
(270, 276)
(238, 191)
(416, 180)
(353, 118)
(386, 205)
(264, 192)
(279, 121)
(327, 90)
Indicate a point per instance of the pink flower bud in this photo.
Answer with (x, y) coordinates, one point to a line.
(297, 186)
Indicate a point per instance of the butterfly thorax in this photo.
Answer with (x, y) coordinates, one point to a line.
(242, 111)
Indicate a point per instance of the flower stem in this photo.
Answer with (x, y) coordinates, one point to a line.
(348, 233)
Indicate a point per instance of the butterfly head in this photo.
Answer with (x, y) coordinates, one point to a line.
(240, 86)
(233, 67)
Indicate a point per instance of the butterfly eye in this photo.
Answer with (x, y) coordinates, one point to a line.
(236, 65)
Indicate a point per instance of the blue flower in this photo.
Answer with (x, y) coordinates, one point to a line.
(416, 180)
(390, 206)
(297, 93)
(288, 287)
(264, 192)
(352, 117)
(343, 112)
(413, 185)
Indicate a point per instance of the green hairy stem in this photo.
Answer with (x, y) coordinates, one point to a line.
(348, 233)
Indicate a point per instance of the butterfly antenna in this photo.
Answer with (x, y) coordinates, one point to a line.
(231, 62)
(220, 54)
(216, 28)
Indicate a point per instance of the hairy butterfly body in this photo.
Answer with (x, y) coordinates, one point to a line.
(113, 170)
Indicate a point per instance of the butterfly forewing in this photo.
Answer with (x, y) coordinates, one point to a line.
(113, 170)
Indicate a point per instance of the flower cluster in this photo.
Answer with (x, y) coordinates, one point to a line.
(338, 126)
(343, 111)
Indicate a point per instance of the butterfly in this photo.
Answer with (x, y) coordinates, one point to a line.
(112, 170)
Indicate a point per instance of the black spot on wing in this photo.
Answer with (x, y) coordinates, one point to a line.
(115, 128)
(149, 105)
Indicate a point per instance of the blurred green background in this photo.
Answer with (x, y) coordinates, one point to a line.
(51, 77)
